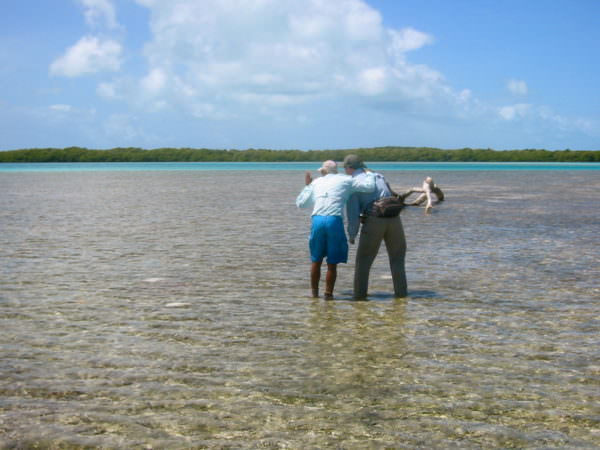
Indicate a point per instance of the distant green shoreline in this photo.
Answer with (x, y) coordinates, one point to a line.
(381, 154)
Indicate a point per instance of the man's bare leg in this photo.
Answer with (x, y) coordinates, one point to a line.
(330, 281)
(315, 277)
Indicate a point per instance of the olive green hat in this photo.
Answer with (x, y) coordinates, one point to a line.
(353, 162)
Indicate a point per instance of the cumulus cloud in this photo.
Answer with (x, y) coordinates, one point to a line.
(100, 13)
(89, 55)
(92, 54)
(372, 81)
(211, 55)
(408, 39)
(517, 87)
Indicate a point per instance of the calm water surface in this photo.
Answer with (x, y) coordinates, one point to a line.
(170, 309)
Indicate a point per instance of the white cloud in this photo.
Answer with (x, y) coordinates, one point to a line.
(464, 95)
(361, 22)
(588, 126)
(154, 81)
(61, 108)
(211, 55)
(88, 55)
(100, 12)
(107, 90)
(372, 80)
(517, 87)
(281, 60)
(408, 39)
(512, 112)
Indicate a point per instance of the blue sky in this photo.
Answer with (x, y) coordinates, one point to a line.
(300, 74)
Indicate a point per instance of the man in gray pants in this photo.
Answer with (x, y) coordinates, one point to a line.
(374, 230)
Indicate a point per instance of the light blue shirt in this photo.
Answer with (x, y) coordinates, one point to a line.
(328, 195)
(360, 201)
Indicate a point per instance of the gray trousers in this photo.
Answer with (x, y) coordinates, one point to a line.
(375, 230)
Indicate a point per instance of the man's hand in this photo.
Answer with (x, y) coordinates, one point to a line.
(307, 178)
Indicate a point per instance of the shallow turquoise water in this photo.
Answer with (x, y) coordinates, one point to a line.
(170, 309)
(246, 166)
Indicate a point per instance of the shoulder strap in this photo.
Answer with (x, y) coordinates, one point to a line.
(394, 193)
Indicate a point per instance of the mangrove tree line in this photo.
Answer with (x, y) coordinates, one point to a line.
(405, 154)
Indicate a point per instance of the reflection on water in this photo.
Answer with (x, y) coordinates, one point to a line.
(137, 310)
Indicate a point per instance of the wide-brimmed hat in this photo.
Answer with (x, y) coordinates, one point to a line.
(328, 166)
(353, 162)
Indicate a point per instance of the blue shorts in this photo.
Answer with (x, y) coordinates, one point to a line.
(328, 239)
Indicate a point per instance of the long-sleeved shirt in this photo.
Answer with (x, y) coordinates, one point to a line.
(358, 202)
(328, 195)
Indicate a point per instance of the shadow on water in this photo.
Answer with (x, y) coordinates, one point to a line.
(423, 293)
(384, 296)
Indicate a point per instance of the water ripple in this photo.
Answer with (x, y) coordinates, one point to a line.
(161, 310)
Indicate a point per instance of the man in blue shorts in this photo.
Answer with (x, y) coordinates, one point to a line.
(328, 195)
